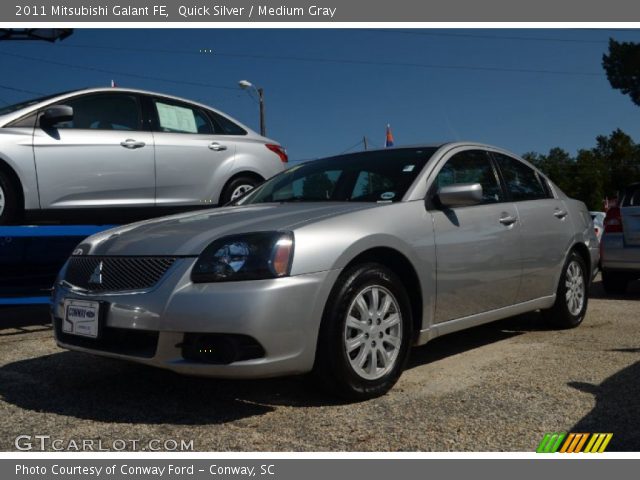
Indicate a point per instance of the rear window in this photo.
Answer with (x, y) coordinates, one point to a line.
(631, 197)
(224, 126)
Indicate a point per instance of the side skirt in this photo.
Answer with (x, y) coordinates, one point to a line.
(458, 324)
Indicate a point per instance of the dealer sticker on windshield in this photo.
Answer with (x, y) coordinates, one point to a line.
(387, 195)
(81, 318)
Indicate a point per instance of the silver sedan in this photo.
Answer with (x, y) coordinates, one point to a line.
(337, 267)
(89, 151)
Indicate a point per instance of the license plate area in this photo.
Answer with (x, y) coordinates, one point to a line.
(82, 318)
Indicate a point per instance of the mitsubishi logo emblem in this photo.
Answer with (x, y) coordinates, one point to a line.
(96, 276)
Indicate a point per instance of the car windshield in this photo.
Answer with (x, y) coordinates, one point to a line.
(378, 176)
(27, 103)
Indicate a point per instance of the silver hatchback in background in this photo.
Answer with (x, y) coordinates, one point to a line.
(620, 251)
(116, 148)
(337, 266)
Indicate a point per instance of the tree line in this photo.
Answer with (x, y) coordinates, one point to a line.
(602, 171)
(593, 174)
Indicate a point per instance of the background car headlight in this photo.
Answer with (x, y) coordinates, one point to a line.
(249, 256)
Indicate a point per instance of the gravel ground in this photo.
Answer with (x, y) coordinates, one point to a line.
(498, 387)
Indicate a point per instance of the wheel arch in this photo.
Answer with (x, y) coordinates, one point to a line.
(15, 179)
(236, 175)
(581, 249)
(399, 264)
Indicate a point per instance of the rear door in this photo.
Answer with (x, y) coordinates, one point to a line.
(630, 213)
(545, 225)
(102, 158)
(192, 155)
(477, 247)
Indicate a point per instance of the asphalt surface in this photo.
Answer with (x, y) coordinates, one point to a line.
(498, 387)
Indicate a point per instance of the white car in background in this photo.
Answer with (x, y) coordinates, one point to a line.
(116, 148)
(598, 223)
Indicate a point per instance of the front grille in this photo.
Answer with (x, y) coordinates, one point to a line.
(116, 274)
(123, 341)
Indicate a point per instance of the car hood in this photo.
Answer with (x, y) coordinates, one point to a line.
(188, 234)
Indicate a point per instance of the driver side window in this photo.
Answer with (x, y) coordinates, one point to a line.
(471, 166)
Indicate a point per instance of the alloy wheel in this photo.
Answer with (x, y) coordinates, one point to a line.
(240, 190)
(373, 332)
(575, 288)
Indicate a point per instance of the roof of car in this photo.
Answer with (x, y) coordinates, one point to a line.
(62, 95)
(438, 145)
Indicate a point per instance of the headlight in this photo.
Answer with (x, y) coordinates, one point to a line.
(249, 256)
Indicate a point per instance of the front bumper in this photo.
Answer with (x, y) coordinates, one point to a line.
(282, 315)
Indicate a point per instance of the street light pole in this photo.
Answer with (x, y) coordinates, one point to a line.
(263, 128)
(245, 84)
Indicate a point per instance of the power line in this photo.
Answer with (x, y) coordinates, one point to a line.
(300, 59)
(493, 37)
(21, 90)
(359, 142)
(114, 72)
(407, 64)
(487, 37)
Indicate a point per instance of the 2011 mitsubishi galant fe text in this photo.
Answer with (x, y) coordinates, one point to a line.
(104, 148)
(336, 266)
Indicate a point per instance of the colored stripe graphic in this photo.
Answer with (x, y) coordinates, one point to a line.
(550, 442)
(574, 442)
(567, 443)
(598, 443)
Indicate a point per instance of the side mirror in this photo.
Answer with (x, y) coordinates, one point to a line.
(460, 195)
(56, 114)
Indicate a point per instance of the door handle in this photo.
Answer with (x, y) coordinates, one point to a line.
(131, 143)
(560, 214)
(216, 147)
(508, 220)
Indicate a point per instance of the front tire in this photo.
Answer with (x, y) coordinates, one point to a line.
(9, 199)
(572, 295)
(366, 333)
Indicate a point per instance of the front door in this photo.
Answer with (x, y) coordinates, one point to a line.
(477, 247)
(101, 158)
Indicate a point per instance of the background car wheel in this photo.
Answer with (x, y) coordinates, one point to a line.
(236, 188)
(366, 333)
(9, 208)
(572, 295)
(614, 282)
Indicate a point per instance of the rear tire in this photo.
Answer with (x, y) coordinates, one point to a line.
(572, 295)
(237, 187)
(9, 200)
(614, 282)
(366, 333)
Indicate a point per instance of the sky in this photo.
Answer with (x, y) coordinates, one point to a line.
(325, 89)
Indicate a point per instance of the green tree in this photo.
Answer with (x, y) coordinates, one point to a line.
(595, 173)
(589, 180)
(620, 161)
(622, 65)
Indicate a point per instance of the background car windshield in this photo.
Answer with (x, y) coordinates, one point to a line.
(381, 176)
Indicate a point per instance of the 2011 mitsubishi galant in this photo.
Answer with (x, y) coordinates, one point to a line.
(98, 149)
(336, 266)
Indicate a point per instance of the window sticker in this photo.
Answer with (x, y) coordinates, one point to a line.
(387, 195)
(176, 119)
(408, 168)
